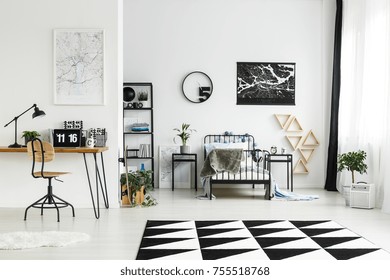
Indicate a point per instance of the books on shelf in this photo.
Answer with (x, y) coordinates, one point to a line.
(144, 150)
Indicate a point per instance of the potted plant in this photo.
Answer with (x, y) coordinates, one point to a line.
(351, 161)
(184, 134)
(138, 182)
(142, 98)
(29, 135)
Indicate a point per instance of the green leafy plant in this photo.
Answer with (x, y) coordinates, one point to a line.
(142, 96)
(30, 134)
(352, 161)
(184, 133)
(137, 179)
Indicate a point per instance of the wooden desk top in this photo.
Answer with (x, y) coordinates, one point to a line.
(57, 150)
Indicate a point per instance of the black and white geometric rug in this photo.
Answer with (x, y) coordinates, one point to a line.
(254, 240)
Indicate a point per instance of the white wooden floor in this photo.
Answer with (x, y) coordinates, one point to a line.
(116, 235)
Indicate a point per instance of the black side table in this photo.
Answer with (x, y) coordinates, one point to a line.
(288, 159)
(184, 158)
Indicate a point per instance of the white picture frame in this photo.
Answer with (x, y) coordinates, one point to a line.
(79, 67)
(182, 172)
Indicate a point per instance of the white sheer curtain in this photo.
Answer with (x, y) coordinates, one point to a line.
(364, 114)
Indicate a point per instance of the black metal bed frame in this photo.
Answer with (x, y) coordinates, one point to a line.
(253, 159)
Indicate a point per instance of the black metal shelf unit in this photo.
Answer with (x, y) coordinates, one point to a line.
(138, 123)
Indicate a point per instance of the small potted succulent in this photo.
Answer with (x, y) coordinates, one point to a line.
(29, 135)
(142, 98)
(184, 134)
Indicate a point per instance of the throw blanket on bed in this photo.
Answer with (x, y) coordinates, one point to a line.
(219, 160)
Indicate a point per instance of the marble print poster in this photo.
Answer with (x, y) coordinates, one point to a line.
(182, 174)
(79, 65)
(265, 83)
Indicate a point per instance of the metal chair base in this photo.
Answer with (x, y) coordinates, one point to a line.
(49, 201)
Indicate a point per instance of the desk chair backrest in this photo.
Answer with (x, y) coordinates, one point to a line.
(40, 151)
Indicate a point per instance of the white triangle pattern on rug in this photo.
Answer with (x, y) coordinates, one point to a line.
(254, 240)
(27, 240)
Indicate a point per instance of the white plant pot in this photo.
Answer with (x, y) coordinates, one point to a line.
(185, 149)
(347, 195)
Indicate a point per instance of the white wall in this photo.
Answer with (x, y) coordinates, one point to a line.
(166, 39)
(26, 77)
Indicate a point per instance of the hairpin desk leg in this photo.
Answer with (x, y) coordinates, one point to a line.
(98, 180)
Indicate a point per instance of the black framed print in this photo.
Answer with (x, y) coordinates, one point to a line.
(265, 83)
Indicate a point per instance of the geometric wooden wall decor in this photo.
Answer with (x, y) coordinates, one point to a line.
(294, 140)
(294, 126)
(301, 167)
(306, 153)
(310, 140)
(282, 119)
(306, 144)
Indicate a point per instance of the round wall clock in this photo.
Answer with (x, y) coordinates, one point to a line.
(197, 87)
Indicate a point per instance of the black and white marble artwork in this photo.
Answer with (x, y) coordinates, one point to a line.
(265, 83)
(79, 67)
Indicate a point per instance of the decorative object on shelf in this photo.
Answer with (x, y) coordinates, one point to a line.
(139, 127)
(300, 167)
(73, 124)
(274, 150)
(37, 113)
(29, 135)
(100, 135)
(184, 134)
(352, 161)
(310, 140)
(265, 83)
(294, 126)
(282, 150)
(132, 153)
(306, 153)
(128, 96)
(144, 151)
(305, 144)
(197, 87)
(142, 98)
(79, 66)
(294, 141)
(283, 119)
(90, 142)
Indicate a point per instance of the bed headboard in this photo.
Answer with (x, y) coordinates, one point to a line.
(232, 138)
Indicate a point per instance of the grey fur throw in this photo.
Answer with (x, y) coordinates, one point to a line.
(219, 160)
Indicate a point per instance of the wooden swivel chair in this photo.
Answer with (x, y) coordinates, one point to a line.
(42, 152)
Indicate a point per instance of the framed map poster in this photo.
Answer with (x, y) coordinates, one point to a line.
(79, 67)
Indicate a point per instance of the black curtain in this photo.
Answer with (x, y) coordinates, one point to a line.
(331, 173)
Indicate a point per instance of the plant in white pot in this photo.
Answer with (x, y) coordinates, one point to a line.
(184, 134)
(142, 98)
(352, 161)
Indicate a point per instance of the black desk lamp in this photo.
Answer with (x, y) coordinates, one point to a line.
(37, 113)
